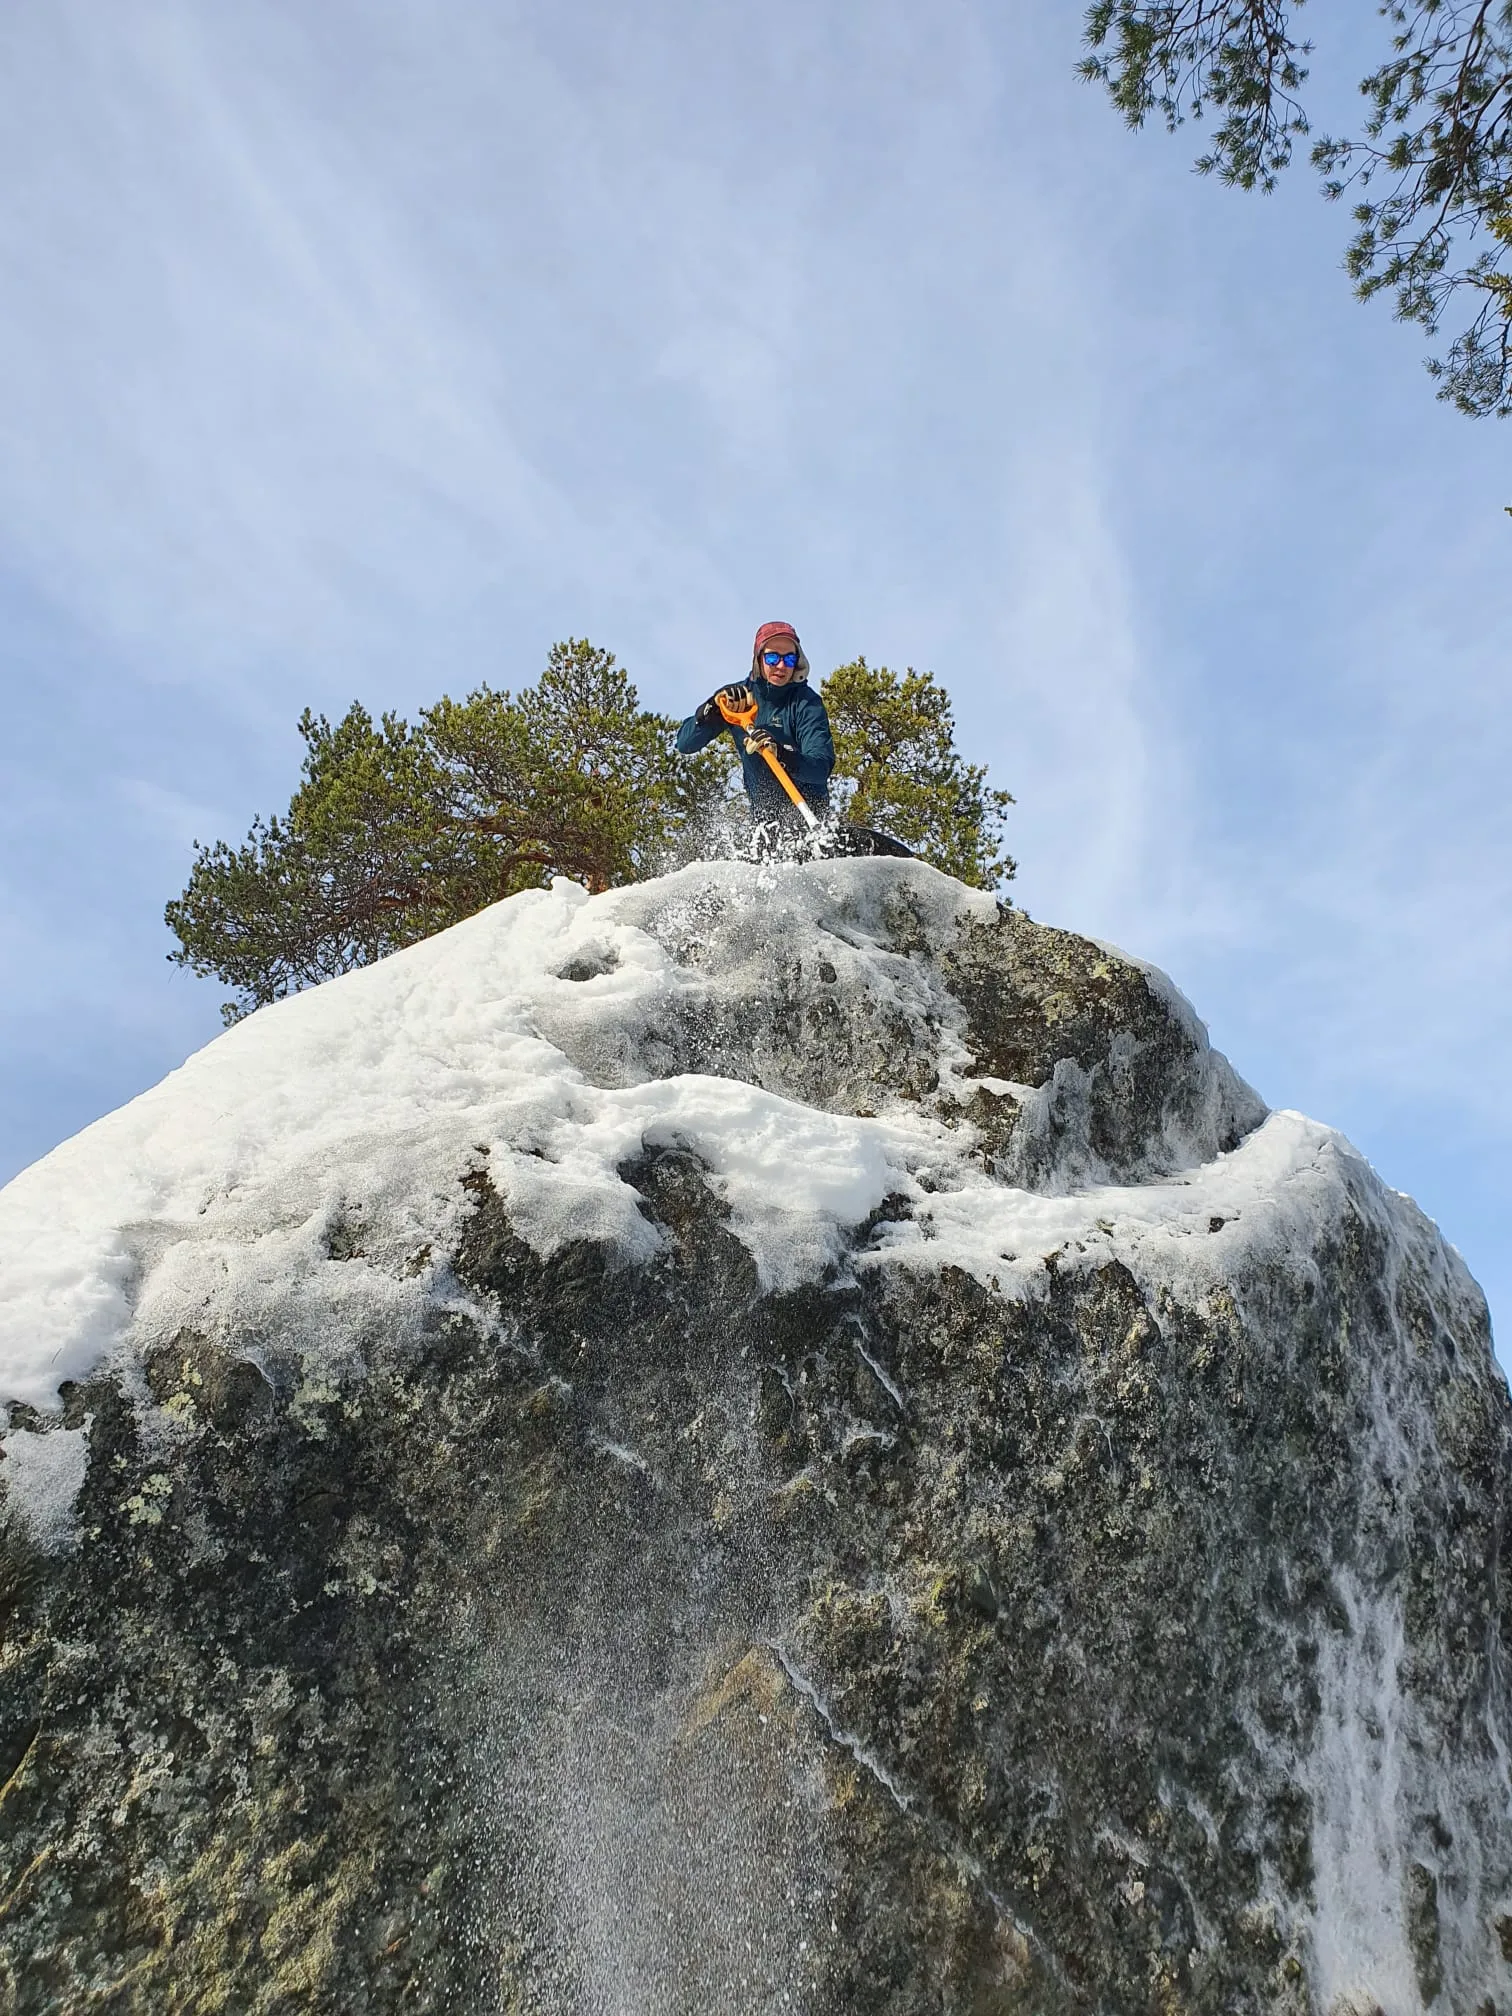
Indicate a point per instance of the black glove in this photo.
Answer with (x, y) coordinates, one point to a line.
(761, 738)
(738, 698)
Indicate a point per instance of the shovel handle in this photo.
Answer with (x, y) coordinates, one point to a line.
(745, 718)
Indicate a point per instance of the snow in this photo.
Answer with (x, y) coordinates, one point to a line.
(44, 1474)
(1354, 1775)
(792, 1176)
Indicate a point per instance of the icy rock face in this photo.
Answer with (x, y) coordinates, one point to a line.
(768, 1441)
(1073, 1066)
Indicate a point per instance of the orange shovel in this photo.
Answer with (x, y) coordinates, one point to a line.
(745, 718)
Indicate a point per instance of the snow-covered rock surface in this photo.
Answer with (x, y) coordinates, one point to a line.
(554, 1037)
(777, 1439)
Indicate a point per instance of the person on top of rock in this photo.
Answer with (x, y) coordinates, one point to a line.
(790, 721)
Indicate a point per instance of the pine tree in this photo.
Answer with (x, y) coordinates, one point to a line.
(897, 768)
(397, 831)
(1430, 169)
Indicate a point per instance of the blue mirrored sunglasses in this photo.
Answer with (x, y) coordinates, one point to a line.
(788, 658)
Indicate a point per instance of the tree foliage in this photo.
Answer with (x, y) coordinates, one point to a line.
(397, 831)
(1430, 169)
(897, 768)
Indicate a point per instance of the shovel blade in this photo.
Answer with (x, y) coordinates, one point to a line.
(825, 840)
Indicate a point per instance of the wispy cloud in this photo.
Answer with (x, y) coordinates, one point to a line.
(235, 407)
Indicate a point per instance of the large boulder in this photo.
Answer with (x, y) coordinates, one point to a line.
(777, 1440)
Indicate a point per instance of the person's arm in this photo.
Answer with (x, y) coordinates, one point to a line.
(813, 757)
(695, 734)
(703, 725)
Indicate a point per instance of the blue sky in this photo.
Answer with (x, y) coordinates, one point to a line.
(361, 351)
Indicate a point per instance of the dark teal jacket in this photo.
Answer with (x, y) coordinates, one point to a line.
(800, 727)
